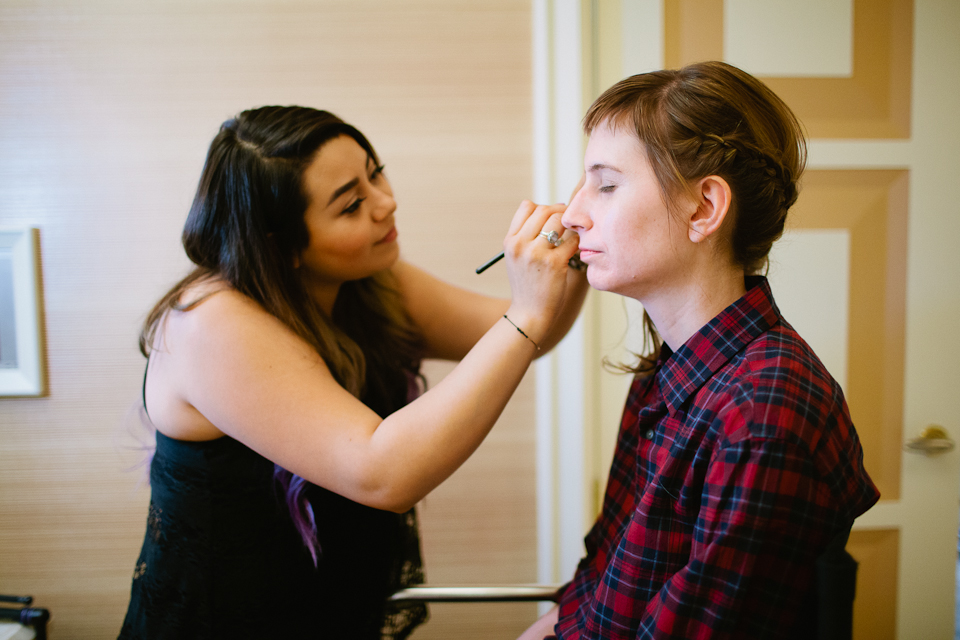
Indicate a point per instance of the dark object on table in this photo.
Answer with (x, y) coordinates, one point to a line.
(28, 616)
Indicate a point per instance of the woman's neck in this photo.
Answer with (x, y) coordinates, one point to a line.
(681, 311)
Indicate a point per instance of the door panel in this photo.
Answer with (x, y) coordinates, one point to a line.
(874, 102)
(871, 208)
(876, 551)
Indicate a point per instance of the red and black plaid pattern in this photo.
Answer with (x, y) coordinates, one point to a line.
(735, 465)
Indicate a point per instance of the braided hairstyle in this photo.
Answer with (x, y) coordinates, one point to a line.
(712, 118)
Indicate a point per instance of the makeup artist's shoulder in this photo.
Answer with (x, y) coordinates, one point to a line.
(214, 303)
(198, 293)
(409, 276)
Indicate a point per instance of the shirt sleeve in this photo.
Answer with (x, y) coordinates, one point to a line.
(764, 518)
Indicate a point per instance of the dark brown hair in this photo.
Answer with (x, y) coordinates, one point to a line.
(246, 227)
(712, 118)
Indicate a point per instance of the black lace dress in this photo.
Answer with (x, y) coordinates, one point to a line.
(222, 559)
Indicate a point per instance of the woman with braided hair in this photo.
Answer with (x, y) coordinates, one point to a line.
(737, 463)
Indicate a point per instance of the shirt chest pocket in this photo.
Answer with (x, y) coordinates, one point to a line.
(668, 486)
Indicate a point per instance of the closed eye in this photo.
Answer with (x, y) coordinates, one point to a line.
(354, 206)
(607, 188)
(377, 172)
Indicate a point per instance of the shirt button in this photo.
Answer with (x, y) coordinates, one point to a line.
(649, 434)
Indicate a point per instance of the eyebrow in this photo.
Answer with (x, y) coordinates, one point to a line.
(342, 190)
(600, 167)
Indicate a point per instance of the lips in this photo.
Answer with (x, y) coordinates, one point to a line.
(586, 253)
(390, 237)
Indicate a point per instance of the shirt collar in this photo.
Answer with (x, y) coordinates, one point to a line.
(680, 374)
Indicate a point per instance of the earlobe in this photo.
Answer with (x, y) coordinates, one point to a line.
(713, 200)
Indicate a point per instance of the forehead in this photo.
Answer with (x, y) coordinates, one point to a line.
(335, 163)
(612, 144)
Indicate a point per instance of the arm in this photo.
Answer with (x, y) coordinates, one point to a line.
(232, 366)
(453, 319)
(763, 519)
(543, 627)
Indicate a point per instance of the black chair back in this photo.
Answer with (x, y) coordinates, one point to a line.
(836, 589)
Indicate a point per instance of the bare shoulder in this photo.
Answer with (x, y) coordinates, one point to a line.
(210, 298)
(214, 313)
(215, 348)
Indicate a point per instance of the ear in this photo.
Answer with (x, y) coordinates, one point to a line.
(713, 200)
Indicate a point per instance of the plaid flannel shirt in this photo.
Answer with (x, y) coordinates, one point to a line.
(735, 465)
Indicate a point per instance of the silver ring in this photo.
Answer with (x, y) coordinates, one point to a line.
(552, 237)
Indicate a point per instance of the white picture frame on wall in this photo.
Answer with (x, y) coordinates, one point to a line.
(22, 361)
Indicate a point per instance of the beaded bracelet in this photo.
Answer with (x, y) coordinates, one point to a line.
(522, 333)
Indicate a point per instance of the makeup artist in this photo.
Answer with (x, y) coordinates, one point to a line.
(283, 383)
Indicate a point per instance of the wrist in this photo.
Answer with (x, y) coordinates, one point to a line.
(530, 325)
(522, 332)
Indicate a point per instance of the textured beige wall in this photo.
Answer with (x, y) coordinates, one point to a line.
(106, 109)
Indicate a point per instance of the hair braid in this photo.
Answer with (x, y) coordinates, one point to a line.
(779, 176)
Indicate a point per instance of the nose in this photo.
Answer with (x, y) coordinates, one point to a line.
(385, 205)
(575, 217)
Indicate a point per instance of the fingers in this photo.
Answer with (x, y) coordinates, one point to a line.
(523, 212)
(553, 225)
(537, 254)
(537, 230)
(569, 240)
(572, 238)
(544, 218)
(530, 219)
(548, 236)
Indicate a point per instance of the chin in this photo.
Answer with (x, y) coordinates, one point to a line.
(596, 280)
(393, 256)
(387, 261)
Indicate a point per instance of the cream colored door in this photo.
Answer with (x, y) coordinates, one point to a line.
(869, 269)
